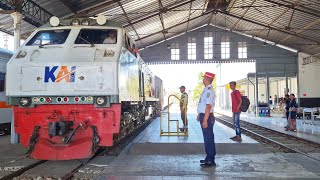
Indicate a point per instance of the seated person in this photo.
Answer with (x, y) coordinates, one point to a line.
(111, 38)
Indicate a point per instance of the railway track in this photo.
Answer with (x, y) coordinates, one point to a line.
(17, 172)
(285, 142)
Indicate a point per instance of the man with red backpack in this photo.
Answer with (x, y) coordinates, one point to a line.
(236, 110)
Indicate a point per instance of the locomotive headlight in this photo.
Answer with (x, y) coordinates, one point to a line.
(54, 21)
(25, 102)
(101, 101)
(85, 22)
(21, 54)
(75, 22)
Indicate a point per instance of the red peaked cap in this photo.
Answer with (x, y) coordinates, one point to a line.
(209, 75)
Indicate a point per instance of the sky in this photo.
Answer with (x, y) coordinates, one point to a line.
(175, 75)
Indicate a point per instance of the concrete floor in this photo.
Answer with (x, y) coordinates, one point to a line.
(153, 157)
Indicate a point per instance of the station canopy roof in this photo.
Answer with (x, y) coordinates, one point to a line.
(293, 23)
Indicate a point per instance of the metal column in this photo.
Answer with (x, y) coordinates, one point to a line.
(287, 85)
(267, 88)
(17, 17)
(257, 92)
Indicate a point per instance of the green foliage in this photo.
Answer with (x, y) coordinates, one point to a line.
(197, 91)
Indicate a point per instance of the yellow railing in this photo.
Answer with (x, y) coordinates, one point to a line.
(177, 132)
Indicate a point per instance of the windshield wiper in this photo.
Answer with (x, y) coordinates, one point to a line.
(91, 44)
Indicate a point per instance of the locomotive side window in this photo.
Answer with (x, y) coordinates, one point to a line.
(97, 36)
(2, 82)
(49, 37)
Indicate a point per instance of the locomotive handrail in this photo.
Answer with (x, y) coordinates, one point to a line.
(169, 133)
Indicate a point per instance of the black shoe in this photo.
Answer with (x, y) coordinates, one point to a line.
(182, 129)
(208, 164)
(202, 161)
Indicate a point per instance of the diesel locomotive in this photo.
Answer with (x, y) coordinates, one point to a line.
(79, 84)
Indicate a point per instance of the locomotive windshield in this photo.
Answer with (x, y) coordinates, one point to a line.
(49, 37)
(97, 36)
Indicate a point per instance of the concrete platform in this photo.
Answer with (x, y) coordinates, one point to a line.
(304, 131)
(150, 141)
(250, 166)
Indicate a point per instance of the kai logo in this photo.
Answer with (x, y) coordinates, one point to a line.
(64, 74)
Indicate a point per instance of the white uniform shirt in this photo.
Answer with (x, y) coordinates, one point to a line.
(207, 97)
(109, 41)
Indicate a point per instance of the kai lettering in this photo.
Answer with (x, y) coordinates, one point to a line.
(64, 74)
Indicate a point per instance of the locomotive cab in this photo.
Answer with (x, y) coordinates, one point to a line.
(75, 86)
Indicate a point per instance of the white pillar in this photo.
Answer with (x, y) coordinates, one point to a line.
(17, 18)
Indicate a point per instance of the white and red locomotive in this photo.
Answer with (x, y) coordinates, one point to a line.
(76, 85)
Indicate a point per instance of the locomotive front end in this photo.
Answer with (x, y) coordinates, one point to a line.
(62, 84)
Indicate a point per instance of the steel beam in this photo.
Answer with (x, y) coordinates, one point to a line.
(128, 19)
(303, 29)
(157, 13)
(191, 19)
(32, 12)
(280, 15)
(270, 27)
(243, 15)
(291, 6)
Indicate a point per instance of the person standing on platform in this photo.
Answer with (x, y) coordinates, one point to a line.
(236, 105)
(292, 114)
(286, 108)
(183, 108)
(206, 118)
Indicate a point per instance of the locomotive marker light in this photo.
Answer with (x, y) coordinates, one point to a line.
(25, 102)
(54, 21)
(101, 20)
(101, 101)
(59, 99)
(35, 100)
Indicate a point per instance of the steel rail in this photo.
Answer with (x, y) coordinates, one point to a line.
(228, 121)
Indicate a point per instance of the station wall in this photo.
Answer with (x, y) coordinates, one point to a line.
(269, 58)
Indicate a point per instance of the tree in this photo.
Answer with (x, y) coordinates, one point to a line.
(197, 91)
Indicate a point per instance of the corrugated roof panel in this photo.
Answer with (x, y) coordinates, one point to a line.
(55, 7)
(148, 26)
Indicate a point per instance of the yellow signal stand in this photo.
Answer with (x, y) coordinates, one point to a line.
(177, 132)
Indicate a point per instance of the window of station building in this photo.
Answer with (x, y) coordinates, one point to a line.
(208, 45)
(175, 51)
(49, 37)
(97, 36)
(242, 50)
(192, 51)
(225, 48)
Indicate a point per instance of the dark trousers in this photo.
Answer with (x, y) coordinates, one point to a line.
(183, 115)
(208, 138)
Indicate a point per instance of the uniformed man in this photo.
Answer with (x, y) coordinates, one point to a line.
(206, 119)
(183, 108)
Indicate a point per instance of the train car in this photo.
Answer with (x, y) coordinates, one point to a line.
(77, 85)
(5, 110)
(309, 89)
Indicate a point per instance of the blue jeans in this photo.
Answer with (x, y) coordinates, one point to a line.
(208, 138)
(236, 121)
